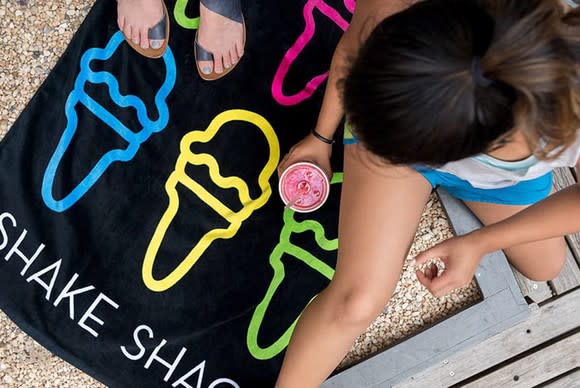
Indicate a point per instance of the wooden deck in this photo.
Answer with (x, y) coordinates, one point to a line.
(542, 351)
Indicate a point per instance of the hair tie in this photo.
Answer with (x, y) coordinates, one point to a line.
(477, 75)
(320, 137)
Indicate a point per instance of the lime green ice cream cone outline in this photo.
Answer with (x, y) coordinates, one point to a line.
(181, 18)
(290, 227)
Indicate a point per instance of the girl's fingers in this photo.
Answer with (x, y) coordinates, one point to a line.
(432, 271)
(437, 285)
(423, 279)
(282, 164)
(440, 286)
(438, 250)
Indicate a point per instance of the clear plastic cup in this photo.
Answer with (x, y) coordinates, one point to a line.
(304, 187)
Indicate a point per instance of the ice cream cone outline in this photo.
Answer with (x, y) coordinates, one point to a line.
(350, 4)
(293, 52)
(235, 218)
(133, 138)
(291, 226)
(181, 18)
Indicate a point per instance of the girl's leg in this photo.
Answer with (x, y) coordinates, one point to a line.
(540, 260)
(379, 213)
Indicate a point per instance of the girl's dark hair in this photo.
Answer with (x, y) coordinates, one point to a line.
(446, 79)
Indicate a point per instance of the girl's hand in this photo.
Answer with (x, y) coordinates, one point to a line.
(309, 149)
(461, 255)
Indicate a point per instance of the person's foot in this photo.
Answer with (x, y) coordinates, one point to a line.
(222, 37)
(136, 17)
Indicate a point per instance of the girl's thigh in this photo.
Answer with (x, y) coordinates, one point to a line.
(539, 260)
(380, 209)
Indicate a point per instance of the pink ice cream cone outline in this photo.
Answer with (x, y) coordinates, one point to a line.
(296, 49)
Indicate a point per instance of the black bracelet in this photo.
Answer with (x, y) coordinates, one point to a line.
(320, 137)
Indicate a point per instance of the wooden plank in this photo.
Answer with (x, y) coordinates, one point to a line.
(467, 328)
(567, 381)
(557, 317)
(540, 366)
(563, 177)
(573, 241)
(572, 3)
(569, 277)
(538, 292)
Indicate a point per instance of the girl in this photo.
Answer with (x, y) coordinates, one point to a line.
(480, 97)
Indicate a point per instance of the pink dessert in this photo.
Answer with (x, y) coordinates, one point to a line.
(304, 187)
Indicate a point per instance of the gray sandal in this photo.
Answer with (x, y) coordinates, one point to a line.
(159, 32)
(230, 9)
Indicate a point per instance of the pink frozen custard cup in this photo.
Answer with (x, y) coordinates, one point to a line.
(304, 187)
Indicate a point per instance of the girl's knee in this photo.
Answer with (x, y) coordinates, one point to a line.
(540, 262)
(547, 272)
(549, 266)
(359, 306)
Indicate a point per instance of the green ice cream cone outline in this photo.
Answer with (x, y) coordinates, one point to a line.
(290, 227)
(181, 18)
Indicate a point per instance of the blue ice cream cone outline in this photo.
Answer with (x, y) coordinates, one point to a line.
(134, 139)
(291, 226)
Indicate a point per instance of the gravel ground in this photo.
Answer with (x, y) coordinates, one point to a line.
(34, 34)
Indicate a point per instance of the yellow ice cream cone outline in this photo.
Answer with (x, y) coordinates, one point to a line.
(291, 226)
(235, 218)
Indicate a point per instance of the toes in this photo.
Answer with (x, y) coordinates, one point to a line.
(134, 35)
(218, 64)
(127, 30)
(234, 56)
(121, 22)
(227, 60)
(143, 38)
(206, 67)
(240, 49)
(156, 43)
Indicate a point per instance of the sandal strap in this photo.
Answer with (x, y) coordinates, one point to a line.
(231, 9)
(202, 54)
(157, 32)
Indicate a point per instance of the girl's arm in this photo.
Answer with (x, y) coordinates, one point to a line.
(367, 14)
(555, 216)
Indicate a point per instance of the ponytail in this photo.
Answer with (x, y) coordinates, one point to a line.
(446, 79)
(533, 52)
